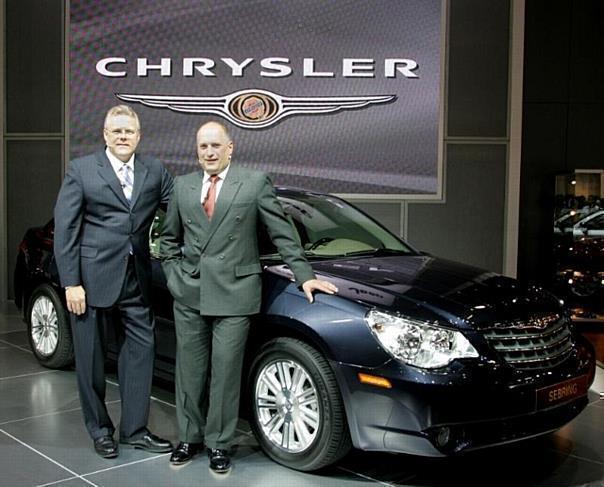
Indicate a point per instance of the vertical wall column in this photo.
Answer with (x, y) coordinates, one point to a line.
(512, 211)
(476, 223)
(33, 133)
(3, 260)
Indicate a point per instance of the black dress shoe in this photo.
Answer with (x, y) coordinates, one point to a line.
(220, 462)
(150, 442)
(185, 452)
(106, 446)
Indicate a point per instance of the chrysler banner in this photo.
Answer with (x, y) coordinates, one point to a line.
(341, 96)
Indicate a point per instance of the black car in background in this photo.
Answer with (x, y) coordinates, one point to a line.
(579, 276)
(415, 354)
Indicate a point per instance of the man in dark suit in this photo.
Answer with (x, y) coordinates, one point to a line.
(103, 213)
(211, 259)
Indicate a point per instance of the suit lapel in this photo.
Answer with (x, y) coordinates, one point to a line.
(228, 192)
(108, 174)
(140, 174)
(194, 197)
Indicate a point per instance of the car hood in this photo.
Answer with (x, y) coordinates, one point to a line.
(430, 288)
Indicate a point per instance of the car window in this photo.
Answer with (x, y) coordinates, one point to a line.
(596, 223)
(155, 232)
(327, 226)
(569, 219)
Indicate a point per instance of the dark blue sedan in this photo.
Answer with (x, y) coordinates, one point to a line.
(415, 354)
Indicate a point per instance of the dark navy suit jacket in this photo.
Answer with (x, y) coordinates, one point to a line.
(95, 227)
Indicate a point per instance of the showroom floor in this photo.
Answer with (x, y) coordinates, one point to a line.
(43, 442)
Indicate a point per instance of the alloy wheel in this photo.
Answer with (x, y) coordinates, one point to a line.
(44, 326)
(287, 405)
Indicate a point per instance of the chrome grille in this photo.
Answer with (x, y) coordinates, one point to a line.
(532, 348)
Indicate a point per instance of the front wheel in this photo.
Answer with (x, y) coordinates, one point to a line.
(585, 286)
(48, 328)
(297, 411)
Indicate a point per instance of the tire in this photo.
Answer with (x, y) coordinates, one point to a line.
(585, 287)
(307, 436)
(48, 329)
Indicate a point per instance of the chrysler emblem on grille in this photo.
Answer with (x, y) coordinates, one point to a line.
(538, 321)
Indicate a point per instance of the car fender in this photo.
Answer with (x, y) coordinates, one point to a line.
(334, 325)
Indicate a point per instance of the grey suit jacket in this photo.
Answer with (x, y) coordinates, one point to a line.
(95, 227)
(218, 270)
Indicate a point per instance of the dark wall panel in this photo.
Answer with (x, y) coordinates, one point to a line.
(543, 156)
(543, 137)
(585, 133)
(586, 72)
(478, 68)
(34, 66)
(33, 178)
(563, 120)
(546, 50)
(470, 227)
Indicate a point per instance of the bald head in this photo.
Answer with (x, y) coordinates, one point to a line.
(214, 147)
(215, 125)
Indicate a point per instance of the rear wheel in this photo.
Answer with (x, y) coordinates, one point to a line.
(585, 286)
(48, 328)
(297, 411)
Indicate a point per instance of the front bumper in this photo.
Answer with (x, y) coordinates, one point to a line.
(469, 405)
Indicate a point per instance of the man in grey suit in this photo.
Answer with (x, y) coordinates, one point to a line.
(211, 259)
(103, 213)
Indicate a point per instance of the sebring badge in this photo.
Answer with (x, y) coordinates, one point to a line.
(256, 109)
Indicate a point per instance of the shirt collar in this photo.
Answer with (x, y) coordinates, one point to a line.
(222, 175)
(116, 163)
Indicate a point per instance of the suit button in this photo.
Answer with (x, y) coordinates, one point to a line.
(221, 256)
(238, 218)
(231, 237)
(188, 220)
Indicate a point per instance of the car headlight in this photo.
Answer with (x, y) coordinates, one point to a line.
(418, 343)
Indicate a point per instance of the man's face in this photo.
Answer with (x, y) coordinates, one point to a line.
(122, 136)
(214, 148)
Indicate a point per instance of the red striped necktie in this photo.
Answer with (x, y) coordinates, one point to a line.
(210, 201)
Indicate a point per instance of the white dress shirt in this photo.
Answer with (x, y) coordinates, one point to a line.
(117, 164)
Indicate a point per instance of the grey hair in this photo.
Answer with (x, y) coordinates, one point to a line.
(122, 110)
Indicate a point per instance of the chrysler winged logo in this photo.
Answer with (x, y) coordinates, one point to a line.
(256, 109)
(539, 321)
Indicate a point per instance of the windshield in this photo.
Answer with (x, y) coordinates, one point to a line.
(327, 226)
(571, 218)
(596, 223)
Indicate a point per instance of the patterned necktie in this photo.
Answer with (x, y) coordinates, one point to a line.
(127, 181)
(210, 200)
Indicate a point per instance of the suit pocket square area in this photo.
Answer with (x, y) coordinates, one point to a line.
(248, 269)
(88, 252)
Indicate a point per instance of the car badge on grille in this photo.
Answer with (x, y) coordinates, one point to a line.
(538, 321)
(256, 109)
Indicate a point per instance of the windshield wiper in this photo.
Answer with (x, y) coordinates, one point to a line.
(307, 253)
(312, 253)
(375, 252)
